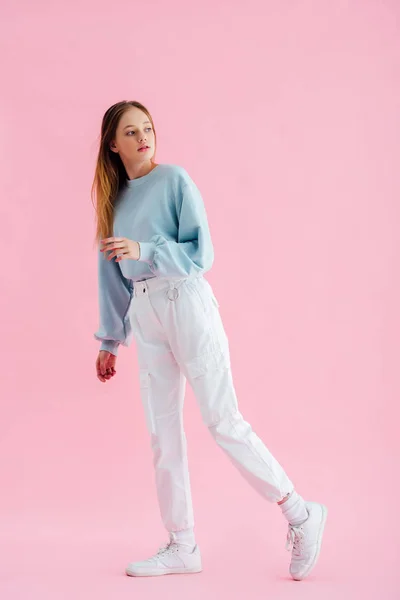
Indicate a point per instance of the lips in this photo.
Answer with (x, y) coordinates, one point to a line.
(143, 148)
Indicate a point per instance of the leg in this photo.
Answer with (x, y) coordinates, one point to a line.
(162, 390)
(200, 345)
(214, 390)
(284, 499)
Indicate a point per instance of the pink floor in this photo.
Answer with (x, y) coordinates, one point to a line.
(80, 551)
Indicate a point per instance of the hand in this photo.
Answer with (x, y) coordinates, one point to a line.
(122, 246)
(105, 365)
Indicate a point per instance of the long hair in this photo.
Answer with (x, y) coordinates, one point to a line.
(110, 173)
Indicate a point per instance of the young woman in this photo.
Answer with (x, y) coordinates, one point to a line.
(152, 222)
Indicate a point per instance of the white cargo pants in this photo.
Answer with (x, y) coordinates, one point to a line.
(180, 336)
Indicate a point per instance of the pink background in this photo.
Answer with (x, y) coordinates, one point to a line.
(286, 114)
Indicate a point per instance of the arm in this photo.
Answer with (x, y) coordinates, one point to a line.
(114, 294)
(193, 252)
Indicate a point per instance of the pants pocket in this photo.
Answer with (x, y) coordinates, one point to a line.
(206, 364)
(217, 356)
(196, 287)
(204, 293)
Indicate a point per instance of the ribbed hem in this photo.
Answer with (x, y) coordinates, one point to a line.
(147, 250)
(110, 346)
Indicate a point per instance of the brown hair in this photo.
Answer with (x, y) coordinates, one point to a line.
(110, 173)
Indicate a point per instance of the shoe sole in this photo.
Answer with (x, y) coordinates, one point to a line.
(319, 542)
(157, 573)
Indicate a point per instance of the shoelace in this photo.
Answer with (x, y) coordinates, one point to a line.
(169, 548)
(294, 539)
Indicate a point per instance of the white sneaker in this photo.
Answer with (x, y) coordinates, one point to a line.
(305, 540)
(171, 558)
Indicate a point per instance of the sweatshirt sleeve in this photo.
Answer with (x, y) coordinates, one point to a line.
(115, 294)
(193, 252)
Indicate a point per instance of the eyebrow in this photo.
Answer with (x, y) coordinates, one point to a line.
(134, 125)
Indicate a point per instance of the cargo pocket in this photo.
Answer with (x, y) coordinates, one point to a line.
(218, 356)
(204, 347)
(200, 366)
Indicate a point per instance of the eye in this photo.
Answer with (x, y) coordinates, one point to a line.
(150, 128)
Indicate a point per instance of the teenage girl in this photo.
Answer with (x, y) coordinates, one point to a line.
(154, 247)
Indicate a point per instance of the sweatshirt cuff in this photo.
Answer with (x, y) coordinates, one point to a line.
(147, 250)
(110, 346)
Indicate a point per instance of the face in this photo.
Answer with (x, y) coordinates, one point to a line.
(134, 130)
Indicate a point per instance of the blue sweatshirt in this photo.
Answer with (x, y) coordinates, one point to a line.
(165, 213)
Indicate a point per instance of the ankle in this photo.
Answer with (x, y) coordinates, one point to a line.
(294, 509)
(184, 537)
(285, 498)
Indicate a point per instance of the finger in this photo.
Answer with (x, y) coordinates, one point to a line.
(100, 370)
(112, 239)
(110, 372)
(122, 256)
(114, 245)
(100, 376)
(107, 256)
(116, 250)
(104, 374)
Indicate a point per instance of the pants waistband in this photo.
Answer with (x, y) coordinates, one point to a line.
(153, 284)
